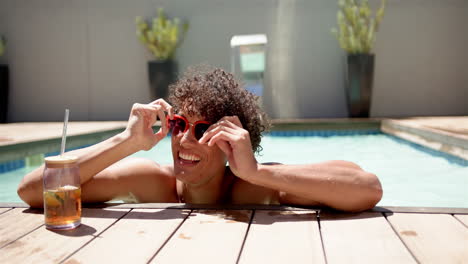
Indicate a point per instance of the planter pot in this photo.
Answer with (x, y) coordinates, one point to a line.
(4, 83)
(359, 78)
(161, 75)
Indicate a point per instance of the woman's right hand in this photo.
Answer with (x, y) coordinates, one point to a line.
(141, 121)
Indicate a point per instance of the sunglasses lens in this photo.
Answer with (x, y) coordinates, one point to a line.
(176, 125)
(200, 129)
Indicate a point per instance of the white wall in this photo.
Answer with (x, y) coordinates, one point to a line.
(84, 55)
(422, 66)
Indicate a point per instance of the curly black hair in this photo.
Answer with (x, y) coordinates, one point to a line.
(215, 93)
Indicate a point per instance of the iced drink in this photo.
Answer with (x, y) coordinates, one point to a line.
(62, 193)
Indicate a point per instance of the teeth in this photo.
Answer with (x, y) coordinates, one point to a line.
(191, 157)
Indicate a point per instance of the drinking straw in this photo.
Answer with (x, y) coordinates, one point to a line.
(64, 135)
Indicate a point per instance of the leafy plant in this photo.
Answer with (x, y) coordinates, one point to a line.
(2, 45)
(163, 37)
(357, 26)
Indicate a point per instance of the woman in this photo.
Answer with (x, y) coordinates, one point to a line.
(213, 121)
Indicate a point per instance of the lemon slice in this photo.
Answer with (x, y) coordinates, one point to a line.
(51, 199)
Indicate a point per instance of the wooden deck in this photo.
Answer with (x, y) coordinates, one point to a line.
(148, 233)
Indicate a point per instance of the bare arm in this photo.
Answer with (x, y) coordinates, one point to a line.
(338, 184)
(95, 159)
(91, 160)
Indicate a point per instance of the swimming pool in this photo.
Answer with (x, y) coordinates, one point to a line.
(411, 175)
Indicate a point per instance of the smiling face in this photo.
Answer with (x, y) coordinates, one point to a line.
(195, 163)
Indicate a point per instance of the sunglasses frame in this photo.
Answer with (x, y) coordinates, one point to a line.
(187, 124)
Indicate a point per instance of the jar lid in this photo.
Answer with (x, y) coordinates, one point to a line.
(60, 160)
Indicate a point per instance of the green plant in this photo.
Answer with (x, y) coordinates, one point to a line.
(2, 45)
(163, 37)
(357, 26)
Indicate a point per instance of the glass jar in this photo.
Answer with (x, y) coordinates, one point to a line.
(62, 193)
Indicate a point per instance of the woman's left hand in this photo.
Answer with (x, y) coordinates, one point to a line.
(234, 141)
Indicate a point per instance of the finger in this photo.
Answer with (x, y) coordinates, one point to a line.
(141, 111)
(149, 113)
(158, 101)
(224, 123)
(155, 110)
(214, 130)
(135, 109)
(220, 126)
(162, 118)
(165, 105)
(170, 111)
(233, 120)
(223, 135)
(141, 108)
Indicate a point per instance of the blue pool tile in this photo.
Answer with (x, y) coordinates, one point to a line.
(18, 164)
(11, 165)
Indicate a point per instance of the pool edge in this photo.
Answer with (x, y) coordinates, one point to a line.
(433, 139)
(379, 209)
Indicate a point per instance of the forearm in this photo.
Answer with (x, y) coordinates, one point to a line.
(91, 160)
(96, 158)
(337, 184)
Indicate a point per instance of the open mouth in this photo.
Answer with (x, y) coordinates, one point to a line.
(188, 158)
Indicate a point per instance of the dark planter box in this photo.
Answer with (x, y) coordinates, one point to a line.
(359, 78)
(4, 83)
(161, 75)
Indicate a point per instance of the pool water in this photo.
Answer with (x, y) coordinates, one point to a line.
(411, 175)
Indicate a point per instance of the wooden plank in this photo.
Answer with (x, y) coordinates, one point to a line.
(432, 238)
(15, 205)
(3, 210)
(462, 218)
(361, 238)
(53, 246)
(143, 231)
(283, 237)
(207, 236)
(18, 222)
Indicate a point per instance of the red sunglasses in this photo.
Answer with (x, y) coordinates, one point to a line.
(181, 124)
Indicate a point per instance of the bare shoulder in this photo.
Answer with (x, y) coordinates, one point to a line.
(133, 179)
